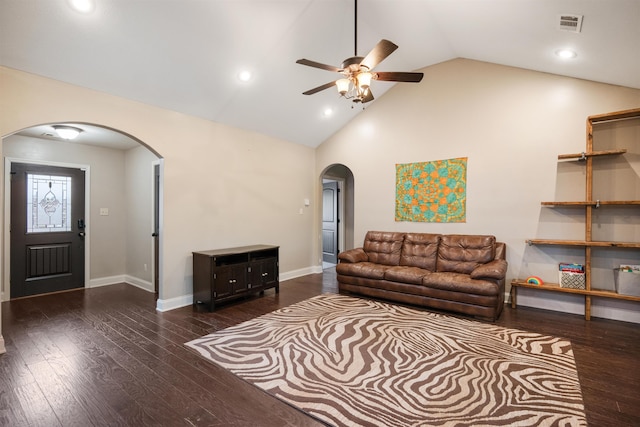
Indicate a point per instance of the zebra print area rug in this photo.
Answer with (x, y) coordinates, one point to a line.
(357, 362)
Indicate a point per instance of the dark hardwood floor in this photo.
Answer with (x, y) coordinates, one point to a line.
(104, 356)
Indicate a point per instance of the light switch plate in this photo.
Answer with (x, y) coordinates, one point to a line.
(104, 211)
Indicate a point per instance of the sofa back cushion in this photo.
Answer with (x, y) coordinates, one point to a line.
(459, 253)
(383, 247)
(420, 250)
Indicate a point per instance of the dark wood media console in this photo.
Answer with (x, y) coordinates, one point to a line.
(225, 274)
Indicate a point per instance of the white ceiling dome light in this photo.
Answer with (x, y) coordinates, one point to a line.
(67, 132)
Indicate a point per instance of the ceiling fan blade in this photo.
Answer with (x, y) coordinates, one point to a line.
(390, 76)
(318, 65)
(319, 88)
(379, 52)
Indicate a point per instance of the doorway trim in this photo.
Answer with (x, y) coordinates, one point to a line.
(156, 243)
(338, 212)
(6, 259)
(344, 176)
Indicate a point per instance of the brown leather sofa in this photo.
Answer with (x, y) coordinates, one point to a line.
(459, 273)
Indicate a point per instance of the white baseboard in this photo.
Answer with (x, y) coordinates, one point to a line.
(2, 347)
(139, 283)
(173, 303)
(123, 278)
(104, 281)
(301, 272)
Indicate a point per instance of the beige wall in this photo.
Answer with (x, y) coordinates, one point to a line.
(511, 124)
(222, 186)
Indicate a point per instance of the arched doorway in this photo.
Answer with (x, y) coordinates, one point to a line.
(120, 199)
(337, 213)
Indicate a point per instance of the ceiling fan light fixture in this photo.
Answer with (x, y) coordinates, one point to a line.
(364, 80)
(356, 70)
(67, 132)
(343, 86)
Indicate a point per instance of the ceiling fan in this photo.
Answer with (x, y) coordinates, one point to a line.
(357, 70)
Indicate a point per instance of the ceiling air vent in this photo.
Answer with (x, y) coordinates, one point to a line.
(571, 23)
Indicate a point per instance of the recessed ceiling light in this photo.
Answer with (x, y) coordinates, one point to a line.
(83, 6)
(244, 76)
(328, 112)
(566, 53)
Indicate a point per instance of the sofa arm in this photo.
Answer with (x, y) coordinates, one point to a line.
(353, 256)
(496, 269)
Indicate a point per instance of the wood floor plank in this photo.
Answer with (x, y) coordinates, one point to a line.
(92, 391)
(35, 407)
(68, 410)
(105, 356)
(141, 381)
(120, 387)
(13, 369)
(179, 370)
(11, 413)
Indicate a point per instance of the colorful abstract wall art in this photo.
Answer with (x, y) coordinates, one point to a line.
(432, 191)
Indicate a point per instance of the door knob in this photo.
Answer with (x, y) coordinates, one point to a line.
(81, 234)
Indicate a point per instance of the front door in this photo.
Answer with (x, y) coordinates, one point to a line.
(47, 229)
(330, 222)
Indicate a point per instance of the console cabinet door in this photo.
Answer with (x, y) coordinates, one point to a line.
(229, 279)
(270, 272)
(264, 272)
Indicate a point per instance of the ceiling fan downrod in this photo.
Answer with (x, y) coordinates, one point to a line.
(355, 28)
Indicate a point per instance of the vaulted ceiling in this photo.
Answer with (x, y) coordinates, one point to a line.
(185, 55)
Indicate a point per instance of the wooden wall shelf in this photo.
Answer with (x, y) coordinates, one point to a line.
(554, 287)
(584, 155)
(594, 203)
(584, 243)
(588, 205)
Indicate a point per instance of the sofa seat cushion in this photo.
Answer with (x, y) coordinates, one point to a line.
(456, 282)
(367, 270)
(403, 274)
